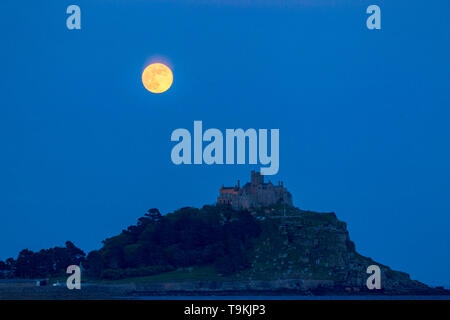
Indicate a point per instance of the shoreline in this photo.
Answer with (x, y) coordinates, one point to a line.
(163, 291)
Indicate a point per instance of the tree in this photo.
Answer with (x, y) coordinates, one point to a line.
(94, 263)
(46, 262)
(25, 266)
(154, 215)
(10, 264)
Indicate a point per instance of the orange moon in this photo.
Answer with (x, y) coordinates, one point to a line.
(157, 78)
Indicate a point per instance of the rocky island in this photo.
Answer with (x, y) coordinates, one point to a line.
(269, 249)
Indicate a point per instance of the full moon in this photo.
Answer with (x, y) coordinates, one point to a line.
(157, 78)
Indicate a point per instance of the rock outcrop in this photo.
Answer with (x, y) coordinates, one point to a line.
(297, 244)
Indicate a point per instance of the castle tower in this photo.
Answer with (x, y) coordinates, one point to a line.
(257, 178)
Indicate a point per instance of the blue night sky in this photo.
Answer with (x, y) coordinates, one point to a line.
(364, 116)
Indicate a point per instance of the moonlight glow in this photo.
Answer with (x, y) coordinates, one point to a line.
(157, 78)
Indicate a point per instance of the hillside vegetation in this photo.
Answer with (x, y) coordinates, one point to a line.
(217, 243)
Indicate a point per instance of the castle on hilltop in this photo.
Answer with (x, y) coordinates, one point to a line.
(255, 194)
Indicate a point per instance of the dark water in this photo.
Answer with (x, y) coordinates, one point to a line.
(292, 298)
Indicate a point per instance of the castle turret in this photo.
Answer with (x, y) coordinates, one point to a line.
(257, 178)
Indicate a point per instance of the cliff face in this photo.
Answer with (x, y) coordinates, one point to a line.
(297, 244)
